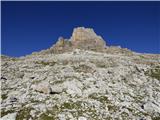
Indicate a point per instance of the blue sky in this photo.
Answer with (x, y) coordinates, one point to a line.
(33, 26)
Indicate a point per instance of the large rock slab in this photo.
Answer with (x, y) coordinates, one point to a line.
(86, 38)
(10, 116)
(42, 87)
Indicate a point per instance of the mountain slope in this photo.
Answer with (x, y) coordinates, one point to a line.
(81, 84)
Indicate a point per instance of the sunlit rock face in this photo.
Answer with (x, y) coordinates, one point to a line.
(82, 38)
(86, 38)
(83, 34)
(61, 46)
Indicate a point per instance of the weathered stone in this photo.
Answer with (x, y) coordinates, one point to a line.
(42, 87)
(13, 99)
(60, 42)
(82, 118)
(56, 89)
(10, 116)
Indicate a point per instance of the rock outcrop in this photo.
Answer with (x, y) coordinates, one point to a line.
(82, 38)
(61, 46)
(11, 116)
(42, 87)
(86, 38)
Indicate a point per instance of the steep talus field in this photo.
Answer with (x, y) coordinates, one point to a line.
(82, 85)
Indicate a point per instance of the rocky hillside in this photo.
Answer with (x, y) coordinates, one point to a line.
(81, 79)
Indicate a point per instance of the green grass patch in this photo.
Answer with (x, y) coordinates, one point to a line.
(156, 118)
(154, 72)
(24, 113)
(71, 105)
(112, 108)
(4, 96)
(124, 115)
(3, 112)
(83, 68)
(46, 117)
(46, 63)
(100, 98)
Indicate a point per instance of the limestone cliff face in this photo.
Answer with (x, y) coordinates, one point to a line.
(82, 34)
(82, 38)
(86, 38)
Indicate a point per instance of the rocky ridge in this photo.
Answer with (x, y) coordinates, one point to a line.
(83, 39)
(81, 83)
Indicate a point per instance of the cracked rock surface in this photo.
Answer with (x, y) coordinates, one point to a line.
(81, 85)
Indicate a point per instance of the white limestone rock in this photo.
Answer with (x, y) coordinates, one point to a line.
(10, 116)
(42, 87)
(82, 118)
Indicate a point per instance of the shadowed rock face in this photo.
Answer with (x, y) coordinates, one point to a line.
(82, 38)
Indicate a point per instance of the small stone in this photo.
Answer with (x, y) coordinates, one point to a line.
(33, 113)
(13, 99)
(20, 75)
(62, 117)
(82, 118)
(56, 89)
(42, 87)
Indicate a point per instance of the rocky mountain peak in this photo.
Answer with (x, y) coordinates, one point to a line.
(82, 38)
(84, 34)
(86, 38)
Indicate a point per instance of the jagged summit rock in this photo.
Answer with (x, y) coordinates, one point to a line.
(86, 34)
(82, 38)
(83, 34)
(86, 38)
